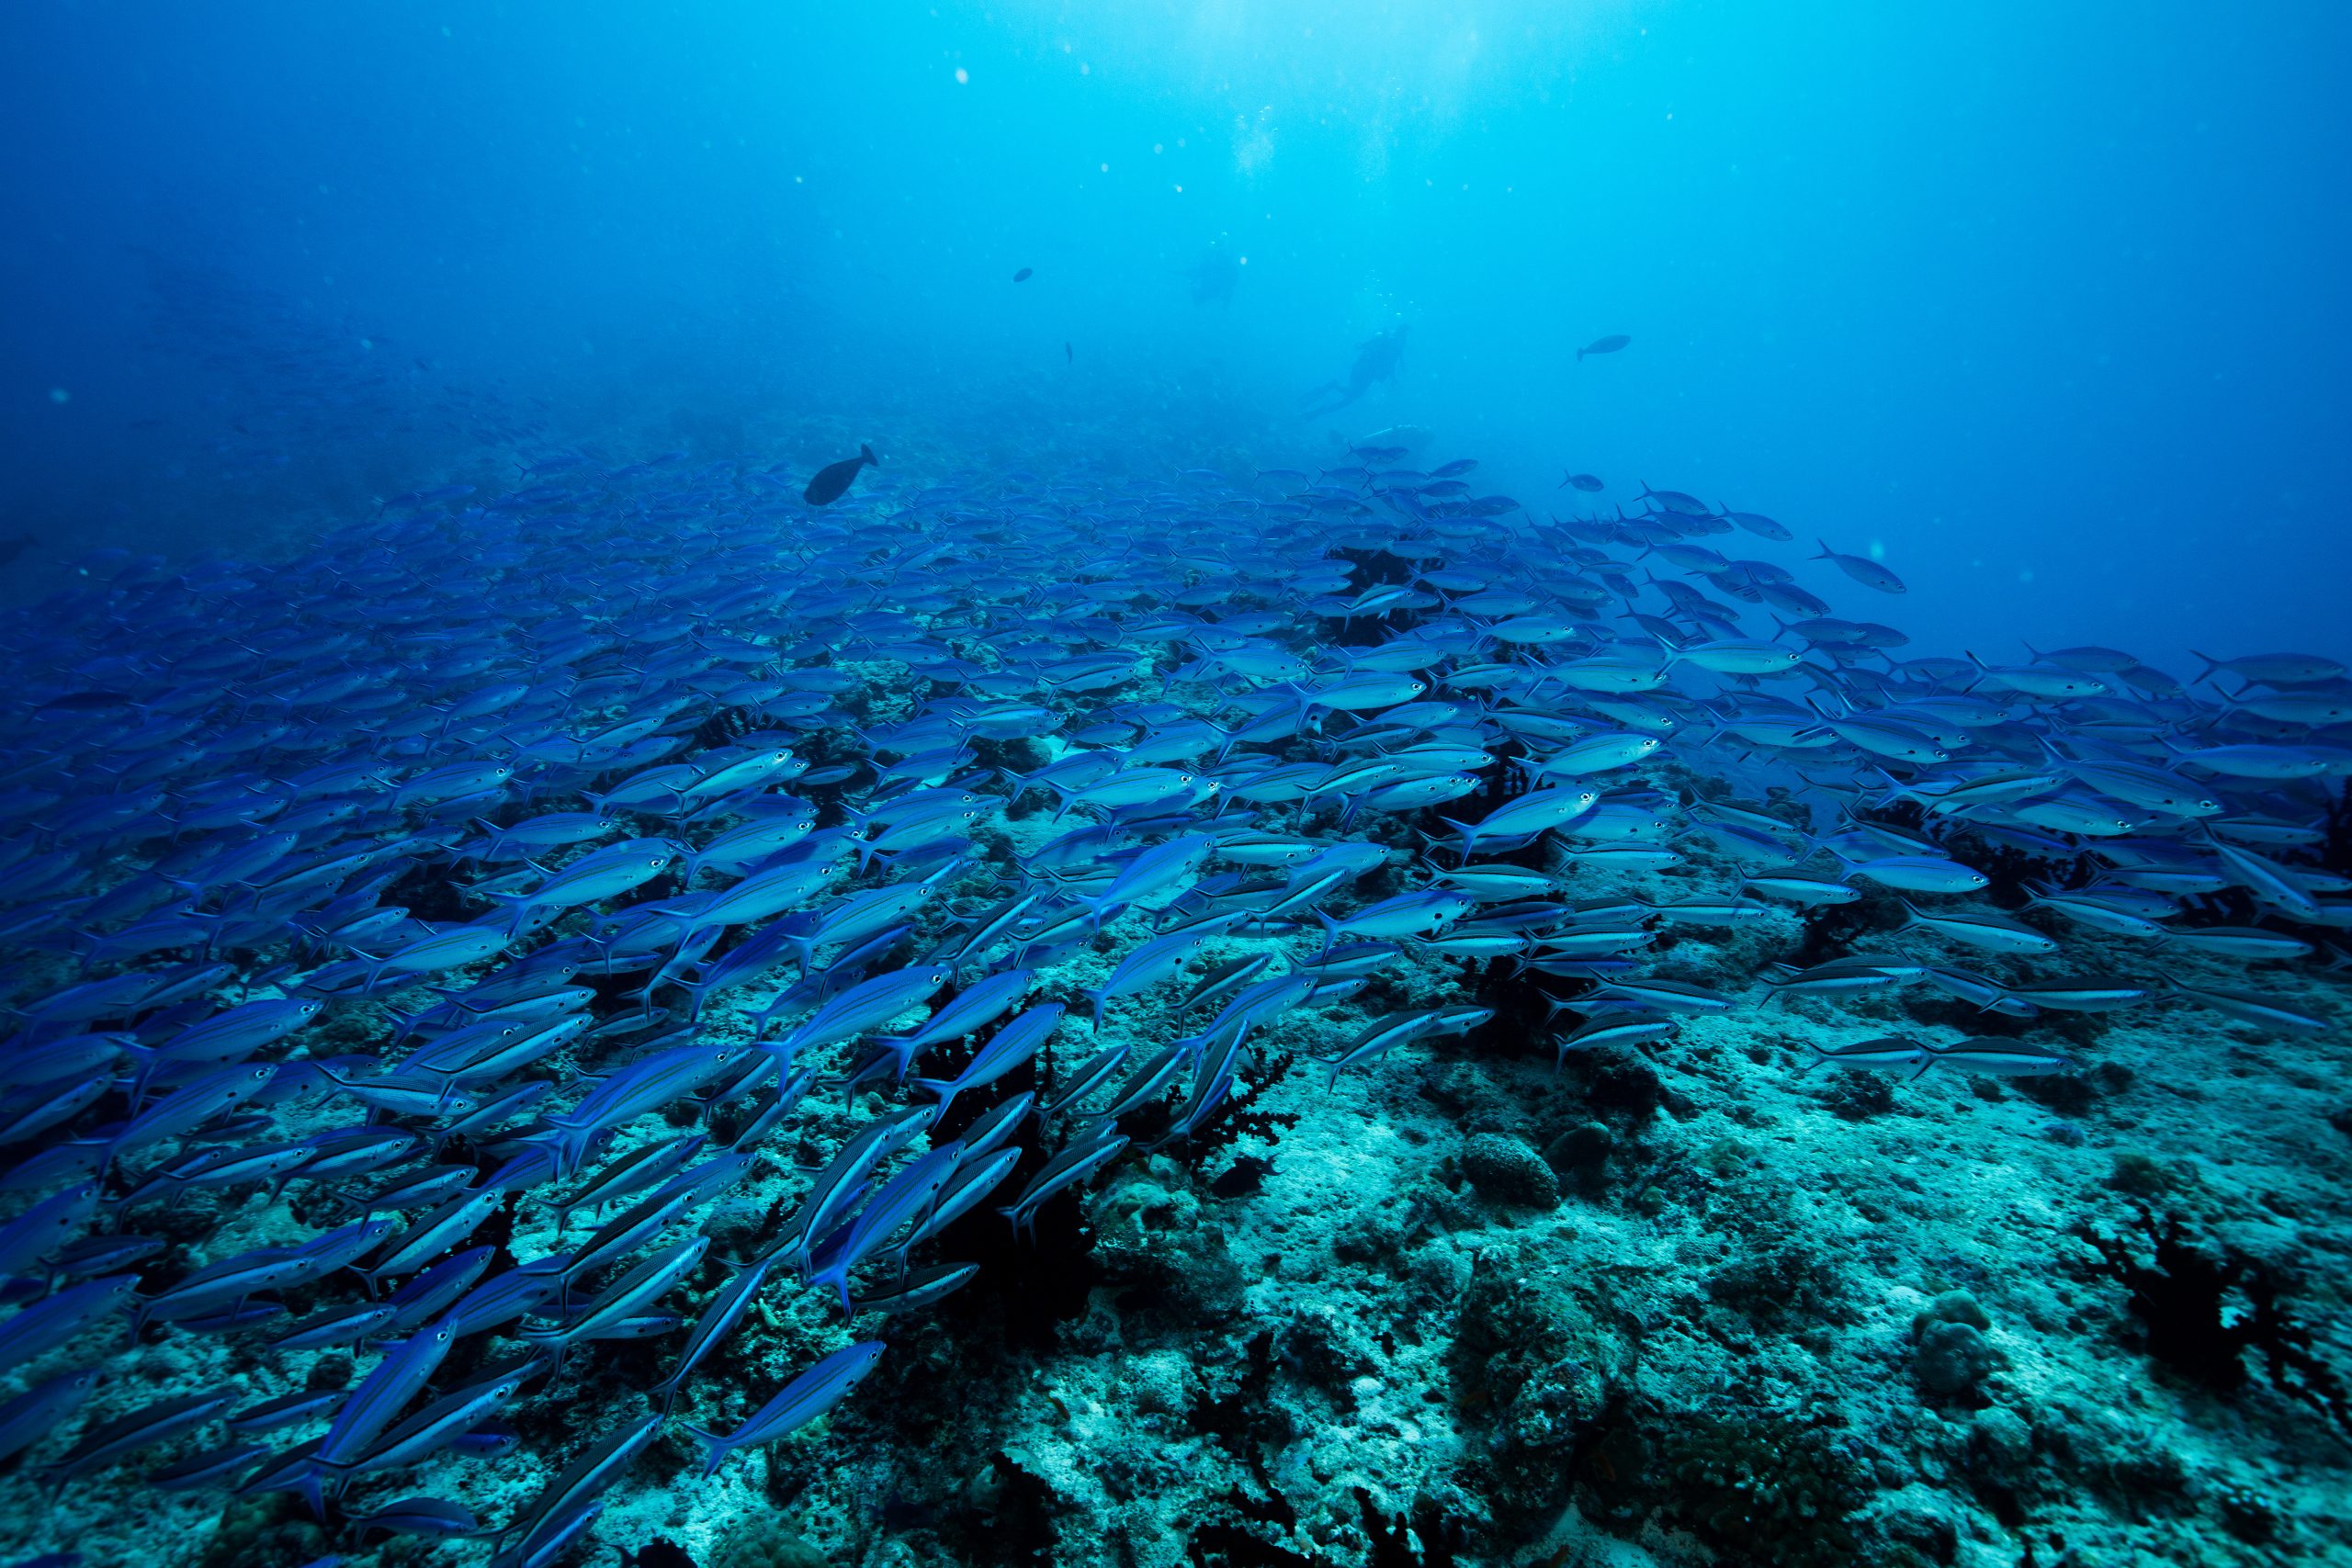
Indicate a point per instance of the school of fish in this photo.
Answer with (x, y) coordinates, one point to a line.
(454, 915)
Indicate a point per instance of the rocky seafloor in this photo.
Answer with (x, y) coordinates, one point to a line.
(1688, 1305)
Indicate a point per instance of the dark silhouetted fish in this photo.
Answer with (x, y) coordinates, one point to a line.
(1586, 482)
(1024, 275)
(834, 477)
(87, 702)
(1609, 344)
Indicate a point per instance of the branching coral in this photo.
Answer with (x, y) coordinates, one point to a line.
(2183, 1296)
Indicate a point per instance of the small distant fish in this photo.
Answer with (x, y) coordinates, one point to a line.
(2272, 669)
(428, 1516)
(1680, 502)
(799, 1402)
(1024, 275)
(87, 702)
(1762, 526)
(834, 477)
(1069, 356)
(412, 500)
(1862, 570)
(2003, 1058)
(1585, 482)
(1609, 344)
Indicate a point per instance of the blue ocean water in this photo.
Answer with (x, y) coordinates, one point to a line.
(2046, 306)
(1398, 633)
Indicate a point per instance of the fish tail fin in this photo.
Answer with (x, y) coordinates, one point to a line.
(1896, 788)
(1431, 842)
(1330, 929)
(2211, 664)
(308, 1487)
(513, 908)
(835, 1276)
(715, 1448)
(566, 1142)
(866, 455)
